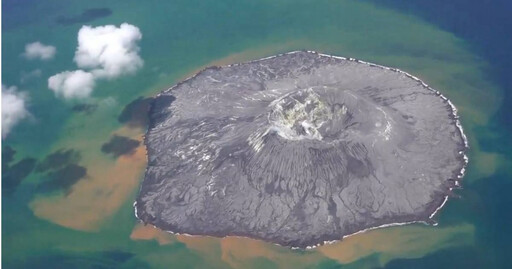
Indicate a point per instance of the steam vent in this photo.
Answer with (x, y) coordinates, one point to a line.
(298, 149)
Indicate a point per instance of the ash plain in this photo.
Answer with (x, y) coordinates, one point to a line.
(299, 149)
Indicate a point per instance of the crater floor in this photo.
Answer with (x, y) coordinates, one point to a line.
(298, 149)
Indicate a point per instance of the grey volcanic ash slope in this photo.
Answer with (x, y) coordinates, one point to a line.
(298, 149)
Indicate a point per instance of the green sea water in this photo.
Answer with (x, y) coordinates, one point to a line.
(91, 224)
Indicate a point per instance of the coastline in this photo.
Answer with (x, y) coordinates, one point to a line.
(430, 213)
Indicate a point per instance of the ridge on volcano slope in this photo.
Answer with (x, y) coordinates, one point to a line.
(298, 149)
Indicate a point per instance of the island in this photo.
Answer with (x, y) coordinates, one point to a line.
(299, 149)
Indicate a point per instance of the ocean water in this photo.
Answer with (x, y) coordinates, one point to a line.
(77, 212)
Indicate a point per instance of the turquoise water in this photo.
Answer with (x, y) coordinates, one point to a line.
(90, 222)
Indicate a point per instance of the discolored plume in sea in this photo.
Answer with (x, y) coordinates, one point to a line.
(298, 149)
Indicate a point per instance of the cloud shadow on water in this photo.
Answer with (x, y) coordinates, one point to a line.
(13, 175)
(84, 108)
(87, 15)
(135, 114)
(120, 145)
(58, 159)
(63, 179)
(7, 156)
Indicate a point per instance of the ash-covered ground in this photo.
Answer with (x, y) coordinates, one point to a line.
(298, 149)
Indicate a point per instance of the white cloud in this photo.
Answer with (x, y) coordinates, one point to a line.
(37, 50)
(13, 108)
(109, 50)
(72, 84)
(104, 52)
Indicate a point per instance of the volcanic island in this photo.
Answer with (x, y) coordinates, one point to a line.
(299, 149)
